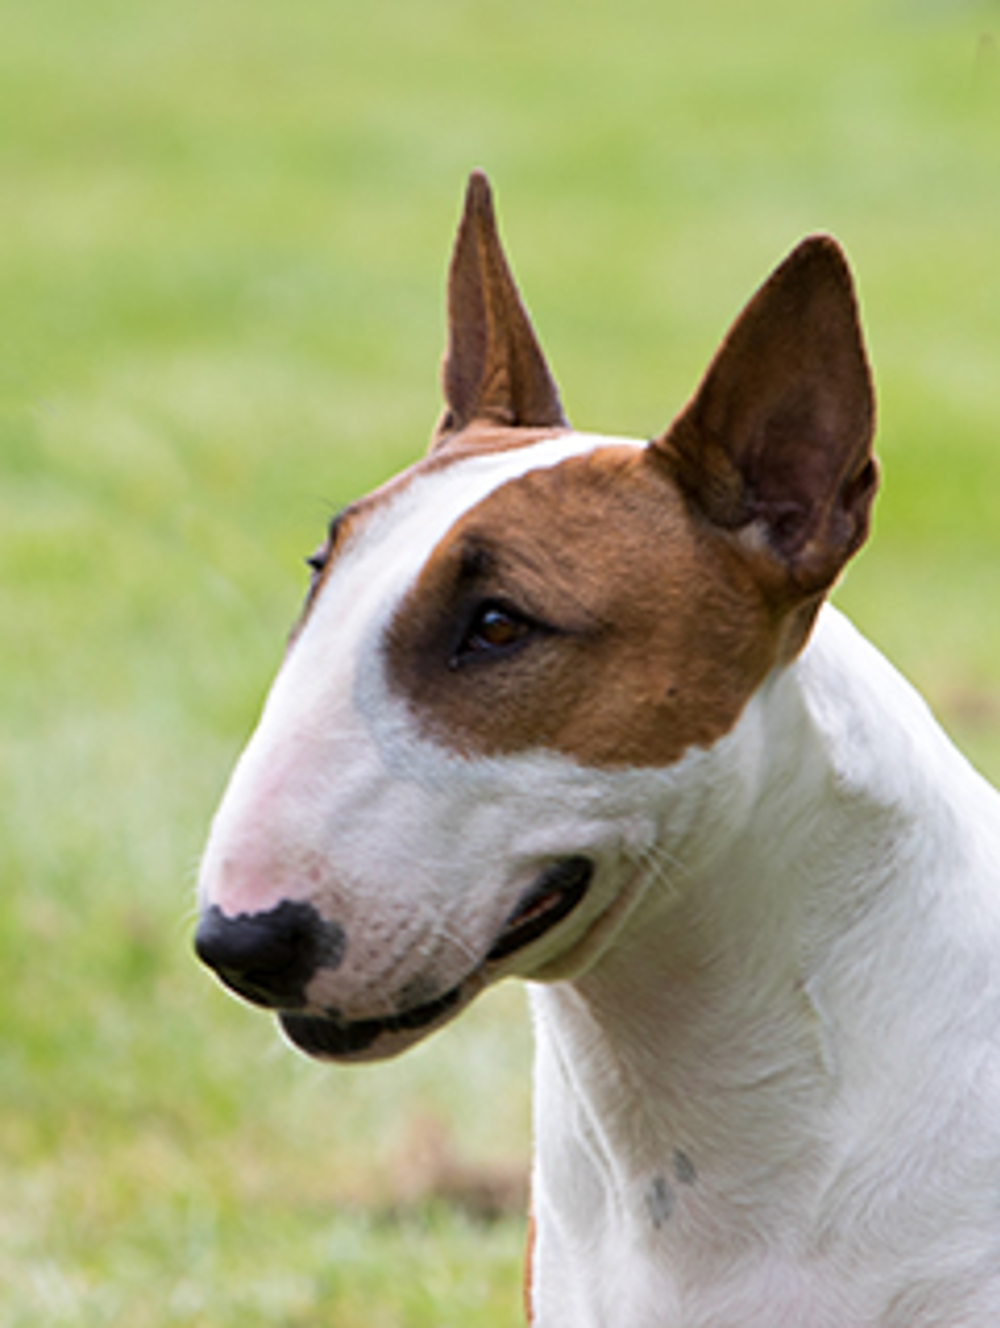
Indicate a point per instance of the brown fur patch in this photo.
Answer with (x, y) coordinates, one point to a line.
(483, 437)
(649, 632)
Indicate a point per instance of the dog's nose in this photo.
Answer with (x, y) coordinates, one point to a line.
(269, 958)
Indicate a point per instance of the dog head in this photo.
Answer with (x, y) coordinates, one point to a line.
(524, 664)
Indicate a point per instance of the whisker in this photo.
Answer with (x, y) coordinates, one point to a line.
(664, 870)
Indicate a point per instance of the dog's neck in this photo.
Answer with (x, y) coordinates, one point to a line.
(699, 1082)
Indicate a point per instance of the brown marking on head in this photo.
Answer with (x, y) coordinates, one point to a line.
(623, 606)
(494, 369)
(622, 633)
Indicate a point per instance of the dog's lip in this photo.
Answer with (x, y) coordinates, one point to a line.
(552, 897)
(328, 1035)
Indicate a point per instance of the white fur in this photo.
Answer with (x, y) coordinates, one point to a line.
(810, 1013)
(768, 1081)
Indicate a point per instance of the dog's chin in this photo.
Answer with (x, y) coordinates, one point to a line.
(329, 1036)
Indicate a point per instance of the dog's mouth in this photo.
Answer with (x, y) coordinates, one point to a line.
(553, 897)
(330, 1035)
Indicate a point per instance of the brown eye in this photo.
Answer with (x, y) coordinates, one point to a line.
(496, 629)
(493, 630)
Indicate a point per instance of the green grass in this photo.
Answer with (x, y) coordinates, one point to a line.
(223, 233)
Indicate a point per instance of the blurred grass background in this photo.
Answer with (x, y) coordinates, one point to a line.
(223, 237)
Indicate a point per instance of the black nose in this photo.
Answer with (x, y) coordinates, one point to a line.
(269, 958)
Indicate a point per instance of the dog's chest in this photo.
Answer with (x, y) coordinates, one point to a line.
(644, 1219)
(856, 1183)
(639, 1246)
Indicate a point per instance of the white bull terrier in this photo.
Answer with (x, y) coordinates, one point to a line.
(569, 707)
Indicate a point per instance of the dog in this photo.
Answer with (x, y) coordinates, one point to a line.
(573, 708)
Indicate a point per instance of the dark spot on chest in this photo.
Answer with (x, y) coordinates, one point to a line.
(660, 1200)
(684, 1169)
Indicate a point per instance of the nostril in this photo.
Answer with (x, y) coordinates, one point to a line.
(269, 958)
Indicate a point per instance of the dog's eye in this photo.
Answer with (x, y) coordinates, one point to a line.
(493, 630)
(316, 562)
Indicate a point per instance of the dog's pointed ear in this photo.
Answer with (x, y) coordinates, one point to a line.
(777, 439)
(494, 369)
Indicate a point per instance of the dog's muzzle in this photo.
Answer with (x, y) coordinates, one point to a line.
(270, 958)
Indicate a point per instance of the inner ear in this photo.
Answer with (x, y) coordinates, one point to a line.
(494, 370)
(778, 435)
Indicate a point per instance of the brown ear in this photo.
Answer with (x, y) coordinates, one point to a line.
(494, 369)
(778, 435)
